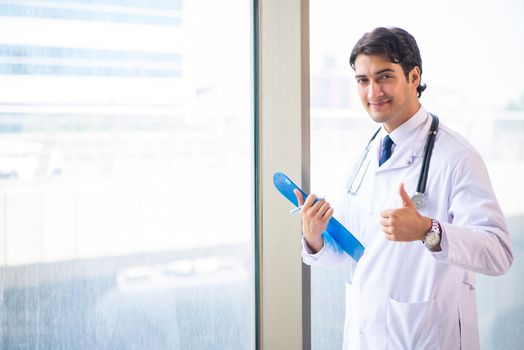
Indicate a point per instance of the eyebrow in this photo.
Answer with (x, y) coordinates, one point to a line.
(386, 70)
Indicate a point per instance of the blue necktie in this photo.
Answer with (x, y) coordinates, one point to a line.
(386, 150)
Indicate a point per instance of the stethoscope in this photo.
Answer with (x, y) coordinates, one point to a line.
(418, 197)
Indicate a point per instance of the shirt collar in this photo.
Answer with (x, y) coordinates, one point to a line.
(407, 130)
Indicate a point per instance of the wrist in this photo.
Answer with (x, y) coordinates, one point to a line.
(314, 244)
(433, 236)
(427, 227)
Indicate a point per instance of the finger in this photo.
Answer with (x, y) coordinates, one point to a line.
(384, 222)
(406, 200)
(310, 200)
(328, 214)
(390, 236)
(318, 204)
(387, 230)
(324, 207)
(300, 197)
(386, 214)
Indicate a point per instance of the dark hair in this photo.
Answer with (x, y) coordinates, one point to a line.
(393, 43)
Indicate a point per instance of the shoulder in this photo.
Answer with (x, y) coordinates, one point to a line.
(454, 145)
(456, 156)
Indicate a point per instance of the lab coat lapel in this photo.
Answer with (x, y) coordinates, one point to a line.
(402, 160)
(405, 154)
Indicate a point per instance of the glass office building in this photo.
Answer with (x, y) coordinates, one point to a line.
(119, 150)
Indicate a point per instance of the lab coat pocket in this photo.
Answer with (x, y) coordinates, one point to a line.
(412, 325)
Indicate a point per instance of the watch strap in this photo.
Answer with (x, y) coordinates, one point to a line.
(429, 240)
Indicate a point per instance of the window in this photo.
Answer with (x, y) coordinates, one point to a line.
(126, 127)
(473, 75)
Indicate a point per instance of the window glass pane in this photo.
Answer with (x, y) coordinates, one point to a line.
(126, 128)
(472, 64)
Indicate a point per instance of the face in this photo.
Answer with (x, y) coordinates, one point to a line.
(385, 92)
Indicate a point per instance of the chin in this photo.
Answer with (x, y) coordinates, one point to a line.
(378, 116)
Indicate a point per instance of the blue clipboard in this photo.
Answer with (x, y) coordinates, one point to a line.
(335, 229)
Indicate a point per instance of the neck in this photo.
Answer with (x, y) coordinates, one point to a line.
(405, 116)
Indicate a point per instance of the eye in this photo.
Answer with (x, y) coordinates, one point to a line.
(362, 81)
(385, 77)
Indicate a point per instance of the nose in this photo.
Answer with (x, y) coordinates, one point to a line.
(374, 91)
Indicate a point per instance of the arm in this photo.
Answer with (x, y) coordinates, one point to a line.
(330, 255)
(475, 237)
(318, 247)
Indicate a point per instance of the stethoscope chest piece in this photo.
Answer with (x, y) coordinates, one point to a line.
(418, 199)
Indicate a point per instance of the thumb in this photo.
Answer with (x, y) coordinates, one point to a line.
(299, 196)
(406, 199)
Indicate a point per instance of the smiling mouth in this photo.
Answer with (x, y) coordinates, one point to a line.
(378, 104)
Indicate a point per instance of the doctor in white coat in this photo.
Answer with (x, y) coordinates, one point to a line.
(414, 287)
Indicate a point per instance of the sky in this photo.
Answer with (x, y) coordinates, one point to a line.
(472, 51)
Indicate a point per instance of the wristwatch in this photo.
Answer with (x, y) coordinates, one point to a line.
(432, 239)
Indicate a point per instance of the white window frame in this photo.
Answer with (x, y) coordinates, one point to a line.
(282, 144)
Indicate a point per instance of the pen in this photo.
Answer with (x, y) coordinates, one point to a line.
(297, 209)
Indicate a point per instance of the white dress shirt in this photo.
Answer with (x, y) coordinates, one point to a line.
(400, 295)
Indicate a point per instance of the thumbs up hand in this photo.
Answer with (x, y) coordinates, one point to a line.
(404, 224)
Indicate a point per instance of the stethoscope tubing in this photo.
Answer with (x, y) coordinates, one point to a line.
(424, 170)
(428, 150)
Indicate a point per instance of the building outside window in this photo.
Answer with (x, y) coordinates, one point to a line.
(125, 125)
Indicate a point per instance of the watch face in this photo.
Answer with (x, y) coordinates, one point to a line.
(432, 239)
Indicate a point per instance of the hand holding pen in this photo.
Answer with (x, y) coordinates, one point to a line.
(299, 208)
(315, 213)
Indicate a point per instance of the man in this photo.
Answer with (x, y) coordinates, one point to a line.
(414, 286)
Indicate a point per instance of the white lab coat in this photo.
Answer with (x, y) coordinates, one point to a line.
(400, 295)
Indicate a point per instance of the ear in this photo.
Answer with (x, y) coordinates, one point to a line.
(415, 76)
